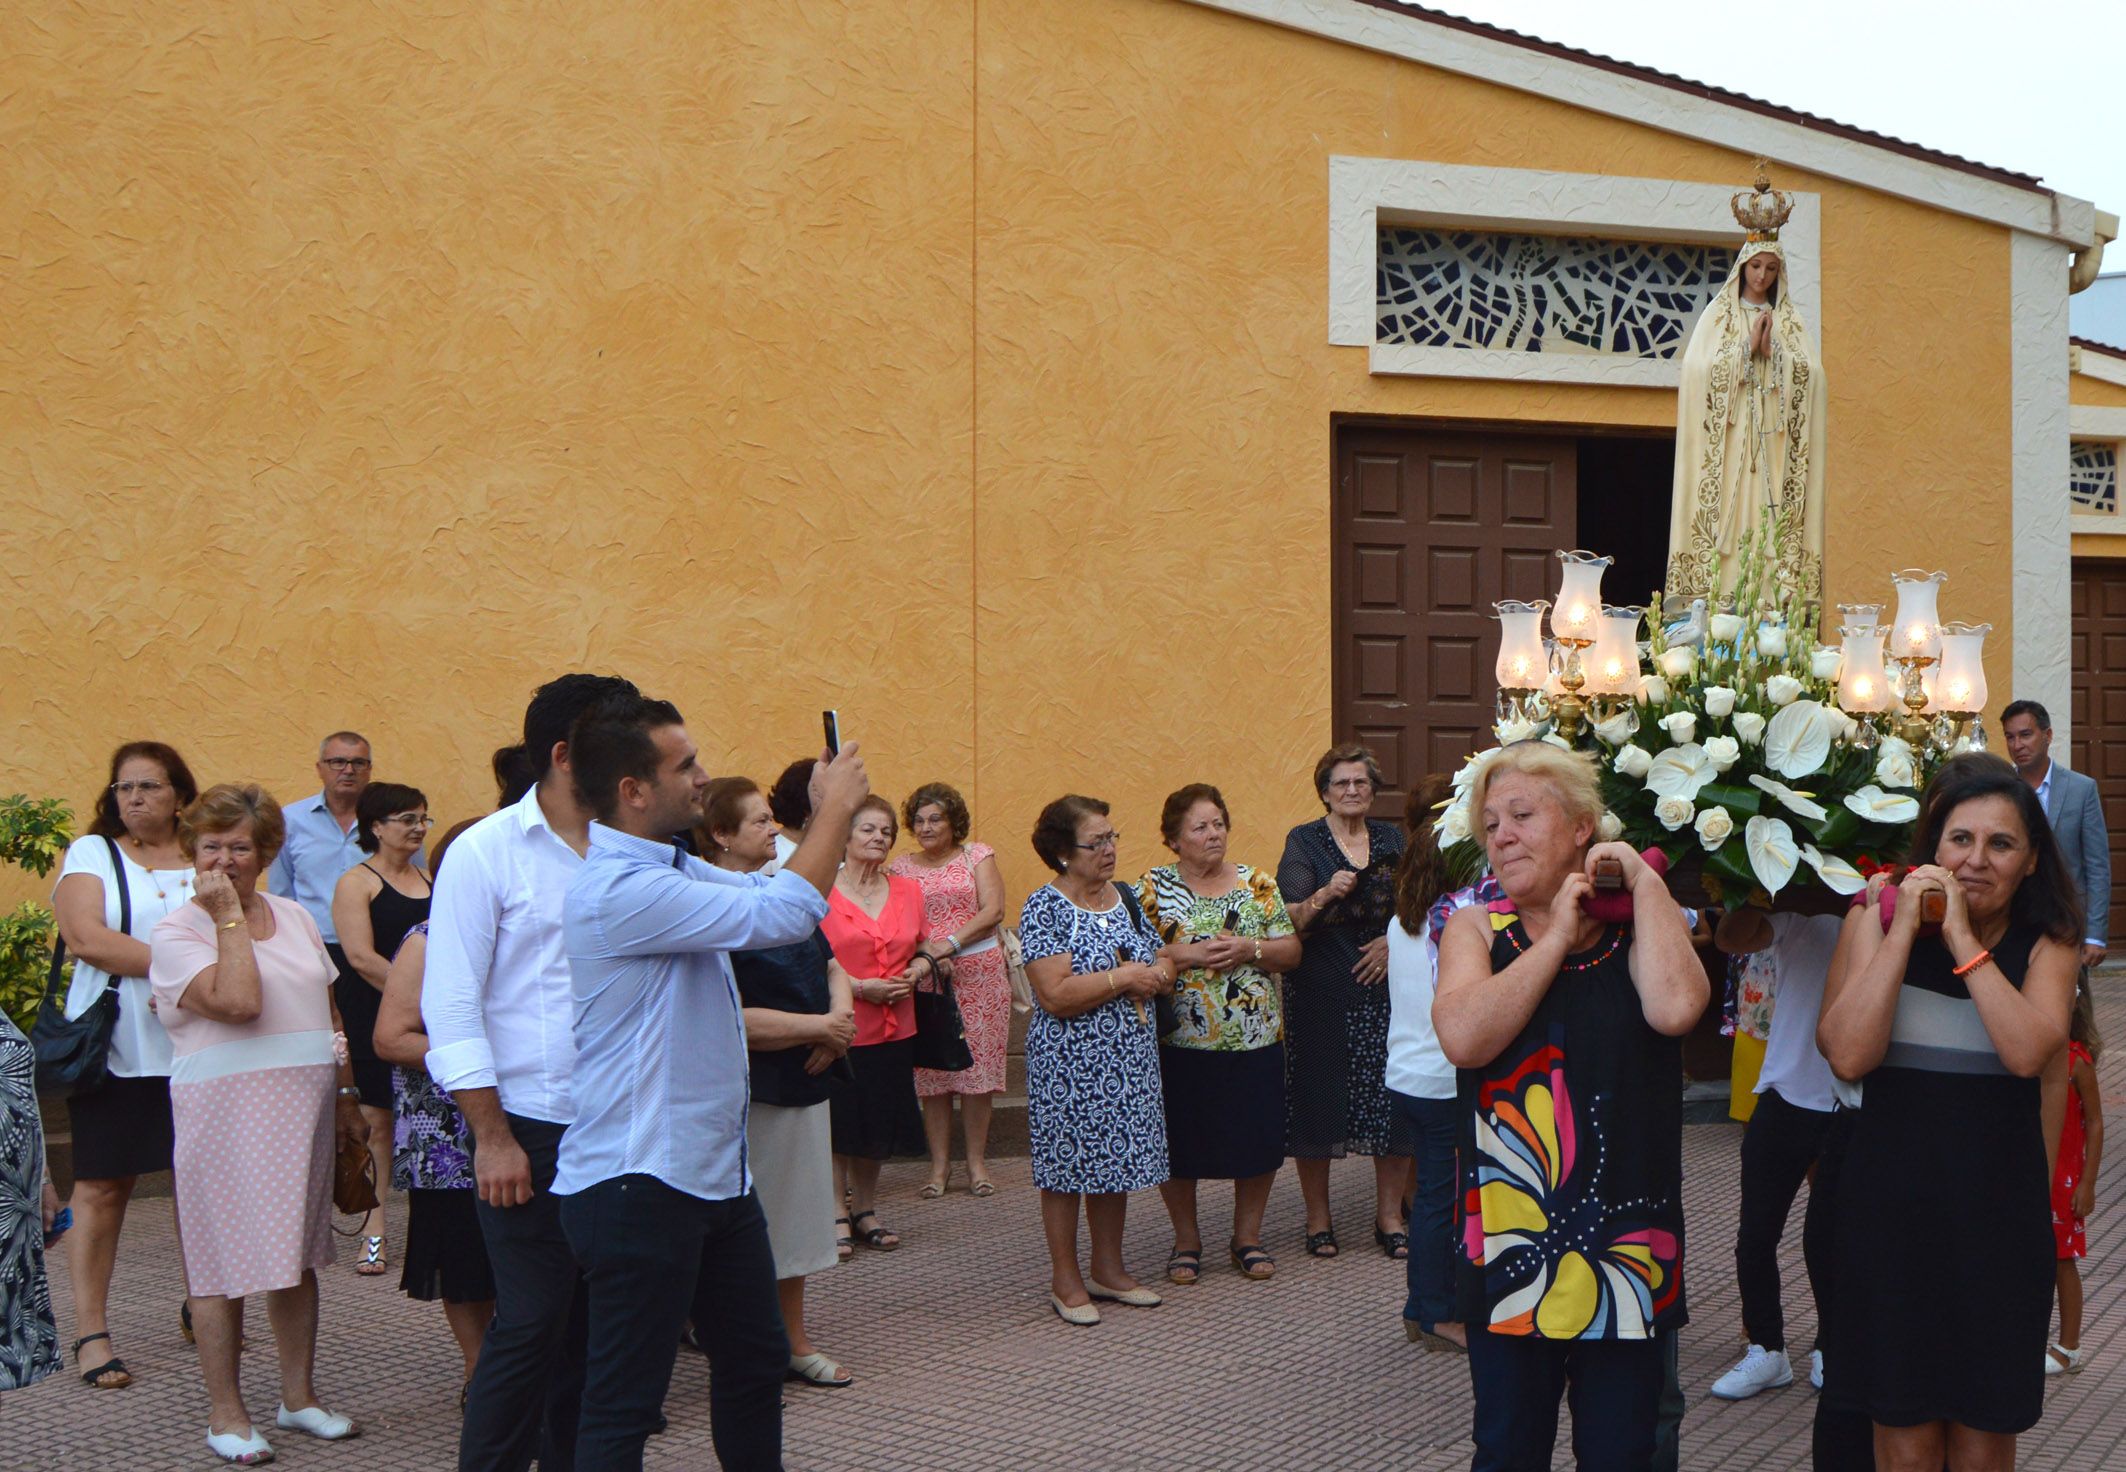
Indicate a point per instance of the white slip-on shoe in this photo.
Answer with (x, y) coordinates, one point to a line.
(1815, 1369)
(318, 1422)
(247, 1450)
(1138, 1297)
(1083, 1316)
(1761, 1369)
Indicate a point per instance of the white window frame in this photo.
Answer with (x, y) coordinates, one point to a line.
(2085, 422)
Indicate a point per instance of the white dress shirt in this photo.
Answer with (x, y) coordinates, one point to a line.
(494, 997)
(661, 1078)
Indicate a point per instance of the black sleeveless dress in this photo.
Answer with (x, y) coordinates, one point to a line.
(391, 916)
(1944, 1246)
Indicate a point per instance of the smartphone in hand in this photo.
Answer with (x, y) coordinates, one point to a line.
(831, 720)
(60, 1223)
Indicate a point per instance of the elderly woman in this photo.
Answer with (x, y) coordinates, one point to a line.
(1094, 1109)
(1221, 1058)
(963, 903)
(244, 985)
(374, 906)
(1567, 1034)
(1338, 877)
(29, 1340)
(800, 1020)
(1942, 1256)
(875, 925)
(118, 881)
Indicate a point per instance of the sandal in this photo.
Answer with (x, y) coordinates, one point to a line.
(817, 1369)
(1252, 1260)
(929, 1191)
(984, 1187)
(112, 1366)
(844, 1244)
(372, 1263)
(1184, 1260)
(1322, 1243)
(874, 1237)
(1393, 1244)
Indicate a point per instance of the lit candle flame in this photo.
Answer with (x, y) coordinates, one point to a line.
(1863, 688)
(1959, 695)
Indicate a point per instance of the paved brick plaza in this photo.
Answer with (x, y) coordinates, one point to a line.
(964, 1366)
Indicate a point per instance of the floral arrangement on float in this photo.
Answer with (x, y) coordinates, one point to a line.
(1778, 768)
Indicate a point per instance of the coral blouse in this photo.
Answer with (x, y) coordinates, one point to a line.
(868, 948)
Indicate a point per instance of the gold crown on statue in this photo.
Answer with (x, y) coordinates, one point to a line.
(1763, 210)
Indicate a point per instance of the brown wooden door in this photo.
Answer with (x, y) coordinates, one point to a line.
(1432, 528)
(2098, 740)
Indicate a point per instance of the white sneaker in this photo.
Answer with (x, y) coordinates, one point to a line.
(1760, 1369)
(1815, 1369)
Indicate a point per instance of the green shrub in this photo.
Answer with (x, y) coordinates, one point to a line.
(34, 833)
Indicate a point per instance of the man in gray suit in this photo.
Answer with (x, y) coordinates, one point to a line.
(2077, 814)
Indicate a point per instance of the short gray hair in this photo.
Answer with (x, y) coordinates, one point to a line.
(355, 737)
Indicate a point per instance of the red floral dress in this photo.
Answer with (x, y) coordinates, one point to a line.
(978, 975)
(2068, 1236)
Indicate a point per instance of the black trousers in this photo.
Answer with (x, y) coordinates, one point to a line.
(1844, 1438)
(529, 1381)
(654, 1256)
(1779, 1145)
(1613, 1386)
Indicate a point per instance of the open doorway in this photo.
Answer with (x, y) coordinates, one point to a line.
(1625, 490)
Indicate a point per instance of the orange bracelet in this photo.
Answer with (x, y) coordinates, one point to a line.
(1973, 964)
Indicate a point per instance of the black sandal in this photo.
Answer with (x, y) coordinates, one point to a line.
(1393, 1244)
(1184, 1260)
(844, 1244)
(112, 1366)
(1251, 1259)
(874, 1237)
(1322, 1243)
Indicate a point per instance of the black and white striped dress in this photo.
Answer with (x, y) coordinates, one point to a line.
(29, 1340)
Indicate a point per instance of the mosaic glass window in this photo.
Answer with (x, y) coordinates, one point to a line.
(1543, 293)
(2093, 475)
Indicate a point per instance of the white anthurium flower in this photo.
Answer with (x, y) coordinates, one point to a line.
(1654, 690)
(1633, 762)
(1795, 743)
(1726, 627)
(1877, 806)
(1681, 726)
(1798, 803)
(1673, 812)
(1782, 689)
(1724, 752)
(1826, 662)
(1773, 854)
(1749, 726)
(1680, 771)
(1619, 728)
(1609, 827)
(1514, 729)
(1837, 875)
(1839, 724)
(1472, 769)
(1678, 663)
(1715, 826)
(1452, 826)
(1719, 701)
(1771, 641)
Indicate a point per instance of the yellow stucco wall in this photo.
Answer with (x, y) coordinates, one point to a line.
(964, 367)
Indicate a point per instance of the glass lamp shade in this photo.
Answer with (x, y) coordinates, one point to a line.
(1613, 664)
(1858, 618)
(1863, 683)
(1522, 664)
(1960, 680)
(1917, 631)
(1579, 605)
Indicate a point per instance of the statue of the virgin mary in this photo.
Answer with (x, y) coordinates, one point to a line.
(1749, 423)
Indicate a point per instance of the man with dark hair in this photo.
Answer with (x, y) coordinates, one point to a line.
(495, 1000)
(656, 1194)
(2076, 812)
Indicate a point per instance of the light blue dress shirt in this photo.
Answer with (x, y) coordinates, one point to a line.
(660, 1079)
(315, 854)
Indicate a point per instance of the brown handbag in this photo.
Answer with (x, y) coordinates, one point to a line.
(354, 1179)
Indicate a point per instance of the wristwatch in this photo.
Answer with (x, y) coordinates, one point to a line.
(350, 1092)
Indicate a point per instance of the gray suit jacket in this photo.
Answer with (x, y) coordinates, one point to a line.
(2077, 818)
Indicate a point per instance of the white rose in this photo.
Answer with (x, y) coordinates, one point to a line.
(1725, 751)
(1452, 826)
(1714, 825)
(1512, 730)
(1673, 812)
(1897, 769)
(1726, 628)
(1682, 727)
(1634, 762)
(1750, 727)
(1719, 701)
(1609, 828)
(1782, 689)
(1618, 728)
(1678, 662)
(1771, 641)
(1825, 663)
(1654, 690)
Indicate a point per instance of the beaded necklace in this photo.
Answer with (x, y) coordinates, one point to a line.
(1613, 939)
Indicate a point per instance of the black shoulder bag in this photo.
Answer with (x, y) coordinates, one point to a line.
(74, 1053)
(1165, 1018)
(940, 1034)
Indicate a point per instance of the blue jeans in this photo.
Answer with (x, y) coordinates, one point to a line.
(1431, 1265)
(1614, 1387)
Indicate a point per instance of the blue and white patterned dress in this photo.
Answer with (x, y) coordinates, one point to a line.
(1094, 1110)
(29, 1342)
